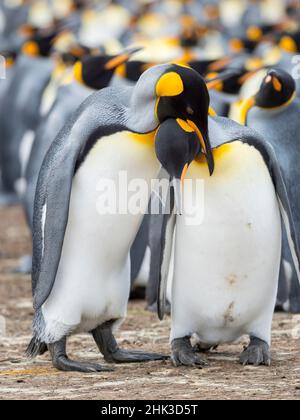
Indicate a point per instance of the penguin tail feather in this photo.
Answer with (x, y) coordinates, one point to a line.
(35, 348)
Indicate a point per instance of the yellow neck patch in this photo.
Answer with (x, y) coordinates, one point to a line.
(170, 84)
(218, 153)
(121, 71)
(78, 72)
(148, 138)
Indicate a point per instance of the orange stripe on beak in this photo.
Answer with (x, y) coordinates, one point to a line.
(199, 134)
(277, 84)
(183, 175)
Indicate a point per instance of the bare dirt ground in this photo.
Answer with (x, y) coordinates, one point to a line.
(224, 379)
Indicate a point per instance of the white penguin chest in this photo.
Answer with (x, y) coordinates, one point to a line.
(226, 265)
(93, 278)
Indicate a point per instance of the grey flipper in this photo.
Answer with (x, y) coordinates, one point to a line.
(223, 131)
(168, 224)
(98, 116)
(281, 129)
(69, 98)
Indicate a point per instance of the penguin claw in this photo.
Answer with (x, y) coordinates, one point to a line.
(123, 356)
(66, 365)
(257, 354)
(183, 354)
(189, 360)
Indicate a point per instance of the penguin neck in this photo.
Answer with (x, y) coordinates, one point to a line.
(140, 118)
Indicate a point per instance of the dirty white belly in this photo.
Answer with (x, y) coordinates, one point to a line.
(226, 269)
(93, 280)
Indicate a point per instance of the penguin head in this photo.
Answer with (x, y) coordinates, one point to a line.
(181, 93)
(278, 89)
(176, 145)
(97, 71)
(171, 97)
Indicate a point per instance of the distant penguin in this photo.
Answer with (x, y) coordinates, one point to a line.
(22, 103)
(8, 65)
(113, 131)
(285, 55)
(274, 112)
(227, 243)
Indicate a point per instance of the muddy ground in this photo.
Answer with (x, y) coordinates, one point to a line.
(224, 379)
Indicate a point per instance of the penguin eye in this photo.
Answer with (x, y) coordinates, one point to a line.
(190, 111)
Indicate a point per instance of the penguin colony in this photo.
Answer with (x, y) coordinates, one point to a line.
(177, 90)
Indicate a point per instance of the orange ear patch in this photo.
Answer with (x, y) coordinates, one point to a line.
(277, 84)
(170, 84)
(31, 48)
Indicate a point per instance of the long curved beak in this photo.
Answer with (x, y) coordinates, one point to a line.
(205, 145)
(245, 108)
(121, 58)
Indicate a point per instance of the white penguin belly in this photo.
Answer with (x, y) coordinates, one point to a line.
(226, 268)
(93, 279)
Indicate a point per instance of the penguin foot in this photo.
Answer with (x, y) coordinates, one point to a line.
(124, 356)
(66, 365)
(183, 354)
(61, 361)
(257, 354)
(108, 346)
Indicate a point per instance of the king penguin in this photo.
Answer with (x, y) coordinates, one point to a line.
(81, 261)
(31, 74)
(227, 245)
(274, 112)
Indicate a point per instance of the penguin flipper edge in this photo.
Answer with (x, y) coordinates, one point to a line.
(271, 160)
(92, 121)
(167, 237)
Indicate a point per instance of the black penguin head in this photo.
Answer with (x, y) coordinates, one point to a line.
(74, 54)
(97, 71)
(40, 44)
(182, 94)
(176, 145)
(228, 81)
(276, 90)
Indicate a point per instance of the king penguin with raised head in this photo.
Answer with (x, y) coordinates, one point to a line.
(274, 112)
(228, 242)
(81, 262)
